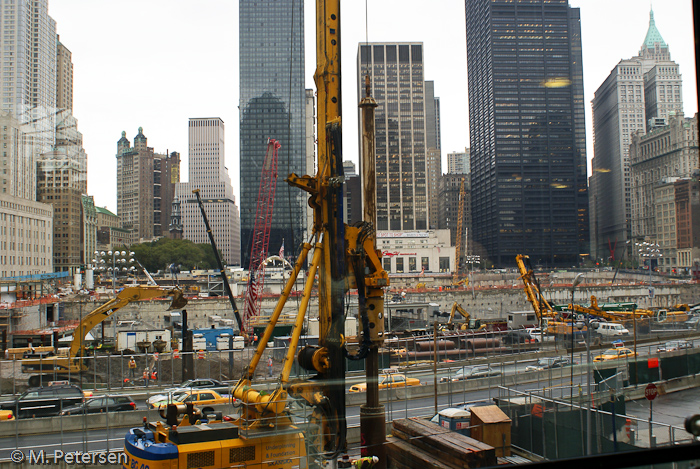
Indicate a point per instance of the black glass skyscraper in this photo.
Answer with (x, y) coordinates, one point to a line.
(271, 54)
(527, 131)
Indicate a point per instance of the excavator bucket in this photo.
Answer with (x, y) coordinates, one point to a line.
(179, 301)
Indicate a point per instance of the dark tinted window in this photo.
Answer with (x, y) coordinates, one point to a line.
(69, 392)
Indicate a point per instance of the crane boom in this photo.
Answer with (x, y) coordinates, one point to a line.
(222, 271)
(261, 235)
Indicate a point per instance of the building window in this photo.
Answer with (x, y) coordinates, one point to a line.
(444, 264)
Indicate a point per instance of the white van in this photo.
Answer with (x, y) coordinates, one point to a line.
(611, 329)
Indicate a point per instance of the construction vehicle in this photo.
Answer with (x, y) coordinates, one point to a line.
(72, 366)
(469, 324)
(555, 319)
(632, 317)
(266, 433)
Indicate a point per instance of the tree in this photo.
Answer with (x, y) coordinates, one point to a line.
(159, 254)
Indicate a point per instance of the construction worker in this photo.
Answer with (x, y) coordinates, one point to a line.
(367, 462)
(146, 376)
(269, 365)
(132, 367)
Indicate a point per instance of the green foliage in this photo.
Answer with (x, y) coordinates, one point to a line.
(159, 254)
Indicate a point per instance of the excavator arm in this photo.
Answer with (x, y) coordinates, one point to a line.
(539, 304)
(123, 298)
(456, 307)
(73, 363)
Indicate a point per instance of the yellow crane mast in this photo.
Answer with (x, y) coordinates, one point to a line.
(343, 258)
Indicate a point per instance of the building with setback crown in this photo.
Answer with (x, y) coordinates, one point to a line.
(396, 77)
(207, 172)
(145, 187)
(527, 131)
(644, 87)
(272, 106)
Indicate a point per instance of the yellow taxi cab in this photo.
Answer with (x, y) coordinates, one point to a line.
(198, 397)
(388, 380)
(615, 354)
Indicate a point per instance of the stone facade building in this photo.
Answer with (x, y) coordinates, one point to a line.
(145, 187)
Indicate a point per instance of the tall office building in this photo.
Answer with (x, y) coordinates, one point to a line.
(272, 105)
(64, 77)
(398, 86)
(458, 162)
(207, 172)
(145, 187)
(637, 90)
(527, 132)
(433, 156)
(28, 81)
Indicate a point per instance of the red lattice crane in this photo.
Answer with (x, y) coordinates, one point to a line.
(261, 235)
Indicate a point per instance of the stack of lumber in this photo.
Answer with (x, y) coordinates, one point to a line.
(417, 443)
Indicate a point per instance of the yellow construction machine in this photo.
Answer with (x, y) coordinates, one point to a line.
(469, 324)
(554, 320)
(267, 433)
(72, 366)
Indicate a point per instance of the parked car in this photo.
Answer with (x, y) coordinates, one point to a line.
(101, 404)
(44, 401)
(549, 363)
(388, 380)
(614, 354)
(673, 345)
(517, 337)
(470, 372)
(199, 383)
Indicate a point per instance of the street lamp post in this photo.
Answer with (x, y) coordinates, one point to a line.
(471, 260)
(111, 260)
(577, 280)
(649, 251)
(580, 326)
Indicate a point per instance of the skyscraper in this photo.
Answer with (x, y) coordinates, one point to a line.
(272, 105)
(644, 87)
(527, 131)
(29, 67)
(145, 187)
(398, 86)
(207, 172)
(433, 154)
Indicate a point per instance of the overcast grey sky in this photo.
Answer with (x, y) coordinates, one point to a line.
(156, 63)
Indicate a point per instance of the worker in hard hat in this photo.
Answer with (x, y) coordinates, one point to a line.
(132, 367)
